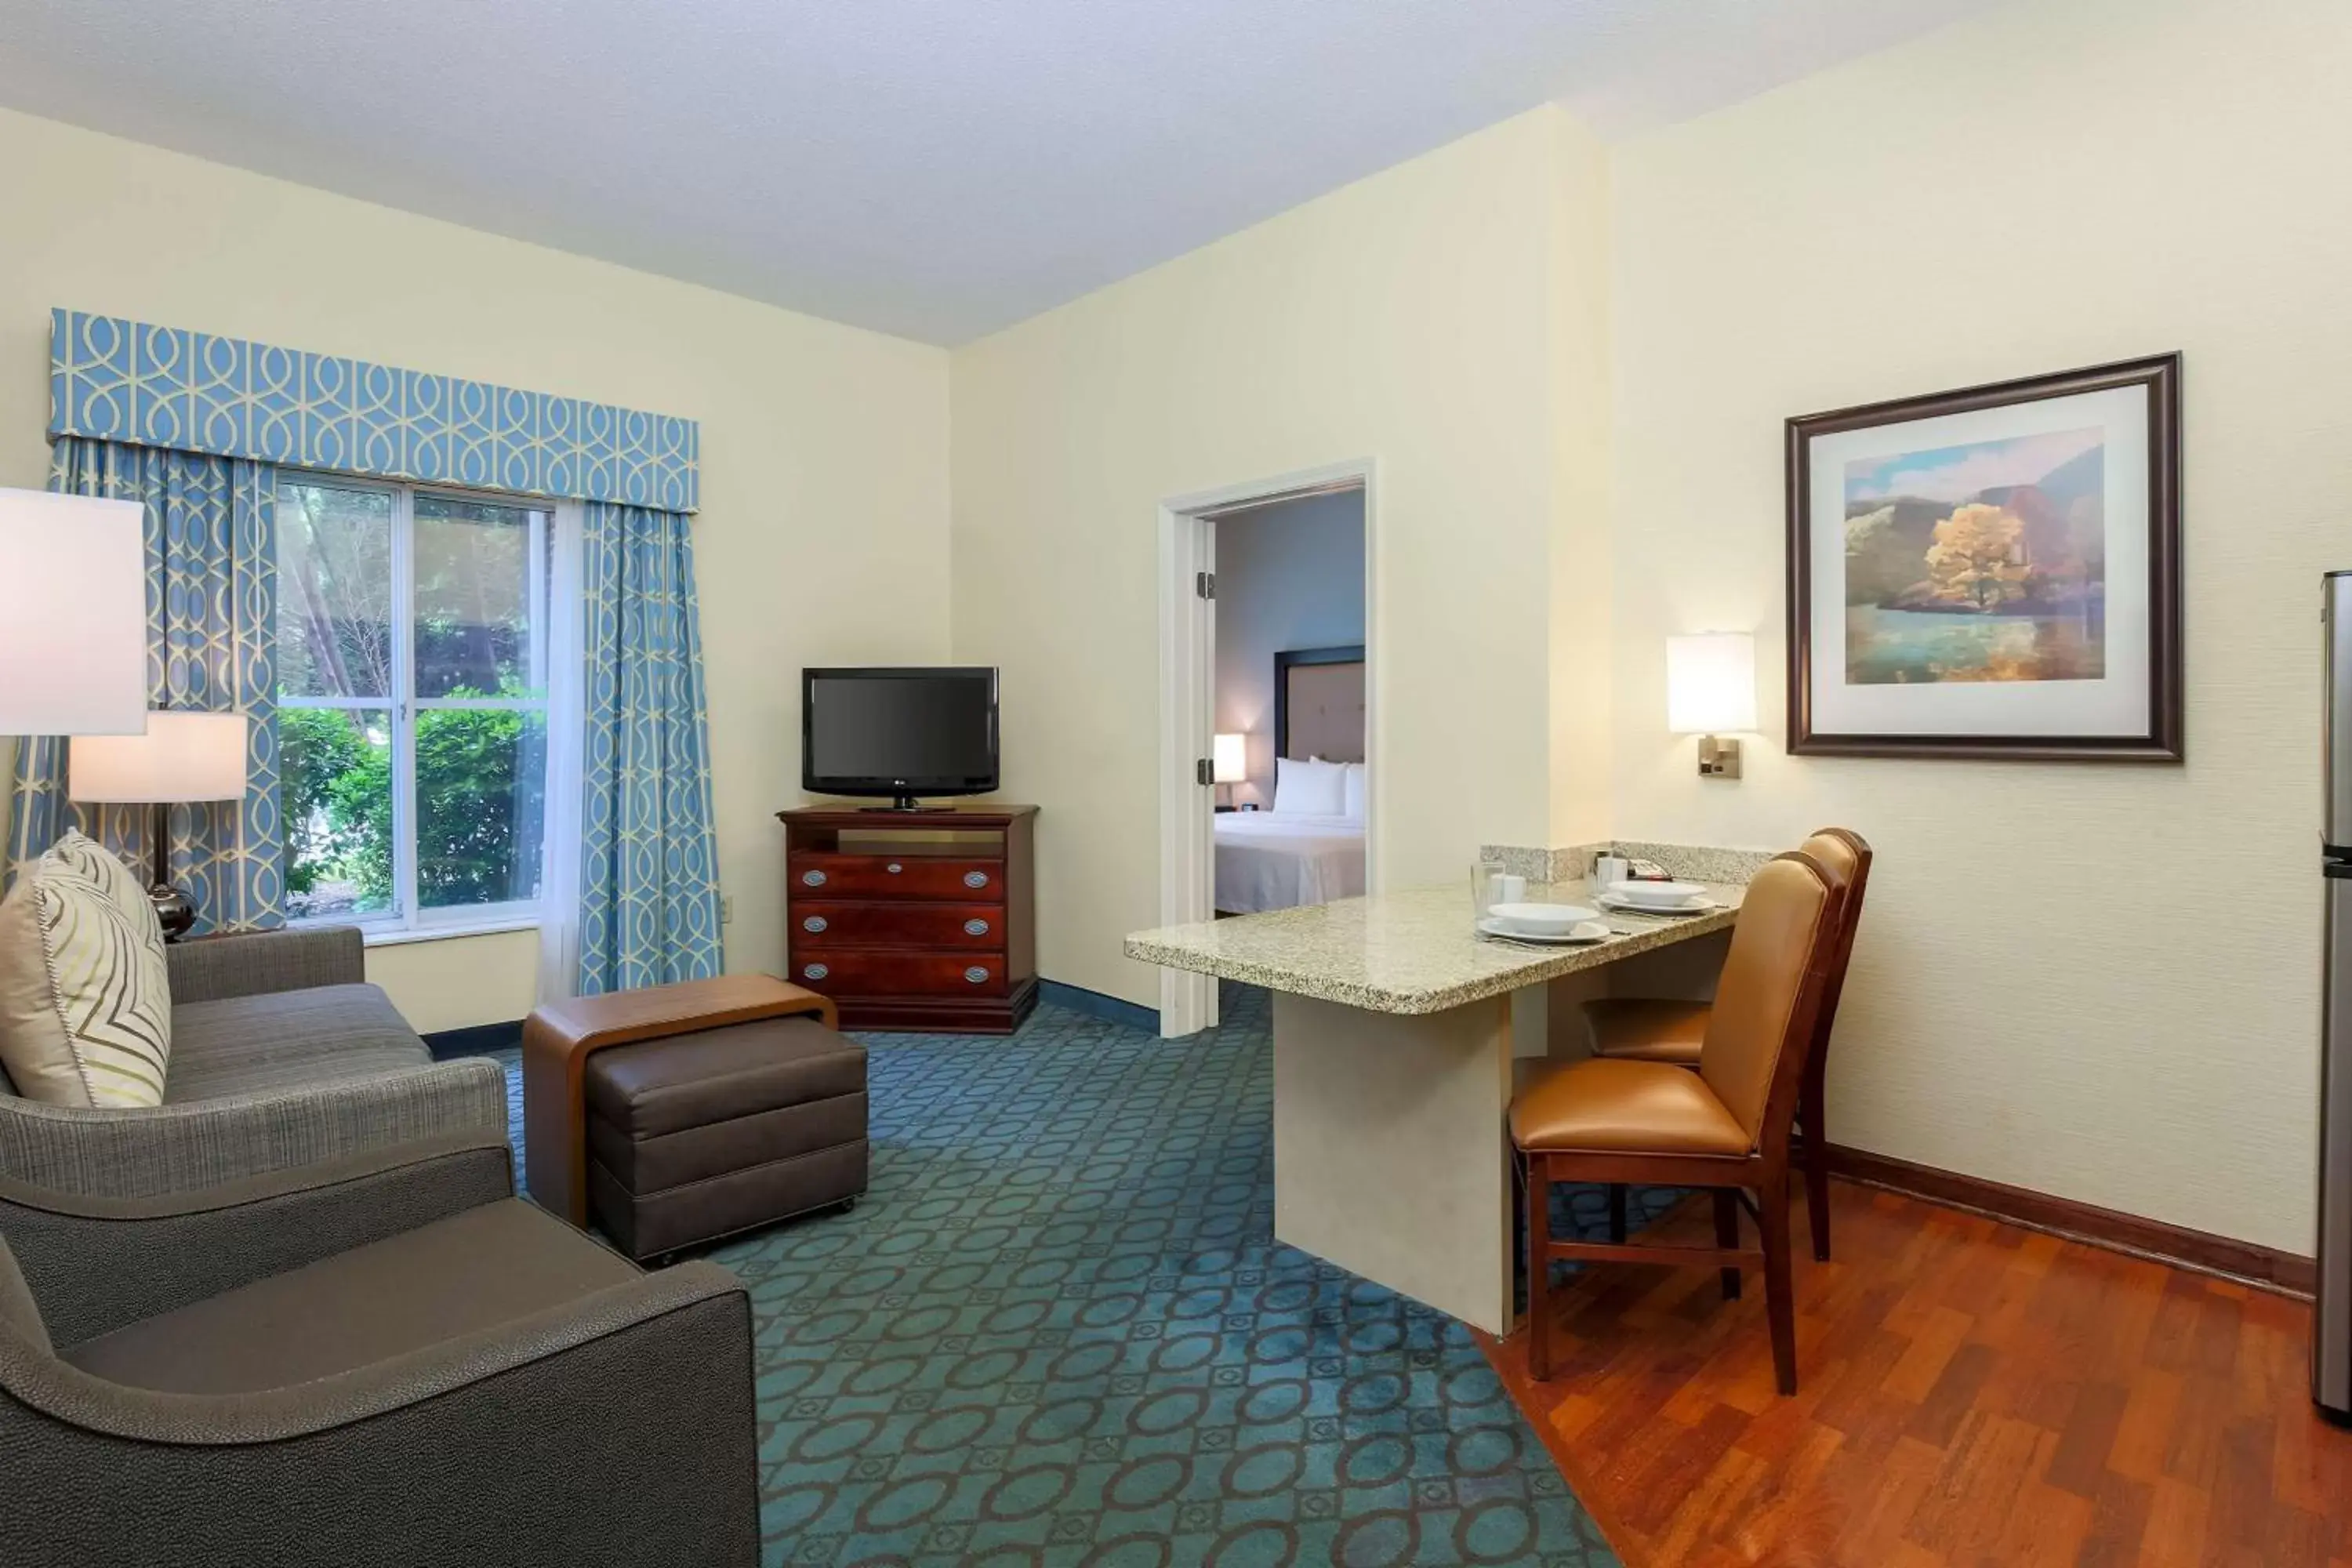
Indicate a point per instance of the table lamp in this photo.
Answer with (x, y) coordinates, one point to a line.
(182, 757)
(1229, 763)
(73, 615)
(1711, 689)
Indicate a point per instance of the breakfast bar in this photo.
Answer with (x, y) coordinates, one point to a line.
(1396, 1028)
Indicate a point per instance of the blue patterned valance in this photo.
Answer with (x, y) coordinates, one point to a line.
(114, 380)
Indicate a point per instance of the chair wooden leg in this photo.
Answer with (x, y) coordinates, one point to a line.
(1726, 1234)
(1617, 1211)
(1779, 1302)
(1539, 1199)
(1813, 1111)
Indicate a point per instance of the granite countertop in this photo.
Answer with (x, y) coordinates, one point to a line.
(1410, 952)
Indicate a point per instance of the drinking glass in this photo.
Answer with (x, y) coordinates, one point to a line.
(1483, 876)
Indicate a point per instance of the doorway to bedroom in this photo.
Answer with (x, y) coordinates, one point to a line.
(1268, 705)
(1289, 701)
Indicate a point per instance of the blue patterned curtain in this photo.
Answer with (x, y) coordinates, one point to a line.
(211, 609)
(648, 876)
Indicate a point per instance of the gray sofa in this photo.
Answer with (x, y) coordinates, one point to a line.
(390, 1360)
(282, 1056)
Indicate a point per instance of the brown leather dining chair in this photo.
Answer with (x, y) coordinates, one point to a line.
(1724, 1127)
(1643, 1029)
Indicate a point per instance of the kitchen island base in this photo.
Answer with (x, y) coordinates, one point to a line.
(1387, 1155)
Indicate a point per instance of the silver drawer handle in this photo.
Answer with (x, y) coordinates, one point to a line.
(975, 879)
(975, 974)
(815, 923)
(813, 878)
(816, 972)
(975, 927)
(895, 868)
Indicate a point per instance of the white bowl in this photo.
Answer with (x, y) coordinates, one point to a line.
(1657, 895)
(1541, 920)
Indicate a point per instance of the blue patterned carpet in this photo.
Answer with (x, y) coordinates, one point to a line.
(1058, 1331)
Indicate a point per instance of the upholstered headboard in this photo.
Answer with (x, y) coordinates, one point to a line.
(1319, 703)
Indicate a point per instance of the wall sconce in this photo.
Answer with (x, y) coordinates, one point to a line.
(1229, 763)
(1710, 692)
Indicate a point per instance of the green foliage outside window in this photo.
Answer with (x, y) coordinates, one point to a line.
(335, 794)
(479, 781)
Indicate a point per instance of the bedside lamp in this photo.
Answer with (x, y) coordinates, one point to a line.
(73, 615)
(1229, 763)
(182, 757)
(1710, 692)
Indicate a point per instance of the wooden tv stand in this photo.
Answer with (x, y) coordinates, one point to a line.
(914, 920)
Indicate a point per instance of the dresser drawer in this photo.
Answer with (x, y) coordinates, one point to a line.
(817, 924)
(862, 971)
(906, 876)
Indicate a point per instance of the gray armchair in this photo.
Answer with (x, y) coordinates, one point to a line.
(282, 1056)
(388, 1361)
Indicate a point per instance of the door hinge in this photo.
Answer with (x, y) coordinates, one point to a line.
(1205, 584)
(1203, 771)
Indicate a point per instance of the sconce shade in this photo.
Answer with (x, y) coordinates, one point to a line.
(1228, 761)
(73, 615)
(182, 756)
(1711, 683)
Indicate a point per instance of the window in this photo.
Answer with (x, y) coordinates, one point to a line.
(412, 678)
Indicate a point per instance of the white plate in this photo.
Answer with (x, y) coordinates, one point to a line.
(1663, 895)
(1626, 906)
(1586, 932)
(1540, 920)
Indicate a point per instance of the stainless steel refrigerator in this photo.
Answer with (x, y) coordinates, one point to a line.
(2331, 1321)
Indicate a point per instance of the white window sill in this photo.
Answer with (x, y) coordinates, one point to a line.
(395, 936)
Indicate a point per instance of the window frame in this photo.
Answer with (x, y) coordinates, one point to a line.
(410, 920)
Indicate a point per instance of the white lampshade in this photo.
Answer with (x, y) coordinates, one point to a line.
(1228, 762)
(182, 756)
(73, 615)
(1711, 683)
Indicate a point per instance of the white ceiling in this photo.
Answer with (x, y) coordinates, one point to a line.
(933, 168)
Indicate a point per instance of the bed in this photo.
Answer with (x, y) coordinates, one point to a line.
(1280, 858)
(1267, 861)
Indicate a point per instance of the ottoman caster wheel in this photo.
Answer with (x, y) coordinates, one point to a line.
(849, 1205)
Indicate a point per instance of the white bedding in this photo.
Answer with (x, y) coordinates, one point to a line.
(1270, 860)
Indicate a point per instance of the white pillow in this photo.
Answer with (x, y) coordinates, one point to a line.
(1308, 789)
(1351, 797)
(85, 989)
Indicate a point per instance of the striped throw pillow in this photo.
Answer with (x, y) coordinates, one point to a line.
(86, 857)
(85, 989)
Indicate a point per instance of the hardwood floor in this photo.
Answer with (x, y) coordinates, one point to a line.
(1972, 1394)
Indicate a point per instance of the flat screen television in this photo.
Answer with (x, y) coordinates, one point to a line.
(903, 733)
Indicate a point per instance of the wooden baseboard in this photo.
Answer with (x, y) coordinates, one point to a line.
(2289, 1273)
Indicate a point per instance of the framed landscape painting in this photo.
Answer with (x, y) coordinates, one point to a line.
(1993, 573)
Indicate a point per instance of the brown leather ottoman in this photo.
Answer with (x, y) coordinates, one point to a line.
(678, 1114)
(700, 1136)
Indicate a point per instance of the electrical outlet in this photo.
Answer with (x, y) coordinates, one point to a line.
(726, 909)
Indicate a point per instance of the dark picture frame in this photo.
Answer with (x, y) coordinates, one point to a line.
(2161, 739)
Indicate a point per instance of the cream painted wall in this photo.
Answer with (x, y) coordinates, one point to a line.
(1402, 318)
(2055, 185)
(824, 448)
(1581, 651)
(461, 982)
